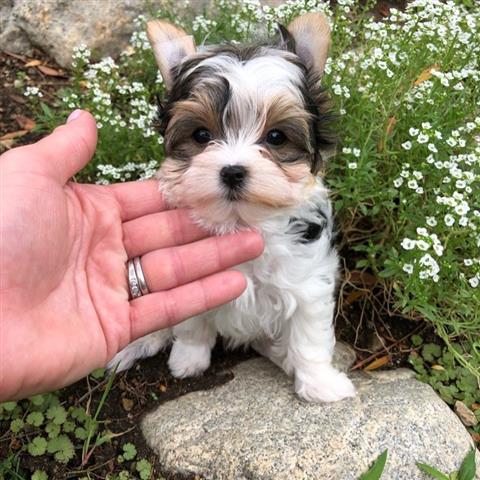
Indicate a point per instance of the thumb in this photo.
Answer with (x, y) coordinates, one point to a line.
(69, 148)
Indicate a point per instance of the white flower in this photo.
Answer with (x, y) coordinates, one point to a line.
(432, 148)
(352, 165)
(423, 245)
(412, 184)
(423, 138)
(468, 262)
(474, 282)
(449, 220)
(398, 182)
(407, 145)
(408, 244)
(413, 132)
(431, 221)
(408, 268)
(462, 208)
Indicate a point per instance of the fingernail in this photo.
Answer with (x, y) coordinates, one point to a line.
(74, 115)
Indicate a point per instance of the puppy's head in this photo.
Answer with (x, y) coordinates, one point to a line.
(243, 125)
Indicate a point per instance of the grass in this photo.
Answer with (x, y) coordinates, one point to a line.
(405, 181)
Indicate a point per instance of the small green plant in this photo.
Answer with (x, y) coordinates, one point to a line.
(93, 424)
(144, 469)
(377, 468)
(129, 452)
(39, 475)
(466, 472)
(440, 367)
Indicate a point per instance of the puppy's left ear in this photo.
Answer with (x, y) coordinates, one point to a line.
(311, 33)
(170, 45)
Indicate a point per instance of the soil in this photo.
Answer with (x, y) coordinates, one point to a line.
(149, 383)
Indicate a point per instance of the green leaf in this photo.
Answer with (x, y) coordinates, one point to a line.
(68, 426)
(62, 447)
(468, 468)
(57, 414)
(35, 418)
(37, 400)
(129, 451)
(432, 471)
(80, 433)
(144, 469)
(98, 373)
(9, 406)
(52, 430)
(37, 447)
(377, 468)
(79, 414)
(417, 340)
(431, 351)
(39, 475)
(16, 425)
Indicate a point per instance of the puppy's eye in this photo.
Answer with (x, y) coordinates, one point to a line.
(202, 135)
(276, 137)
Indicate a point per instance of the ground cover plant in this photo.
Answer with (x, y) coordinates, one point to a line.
(405, 179)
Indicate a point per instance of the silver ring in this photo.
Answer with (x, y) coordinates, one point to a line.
(140, 276)
(133, 285)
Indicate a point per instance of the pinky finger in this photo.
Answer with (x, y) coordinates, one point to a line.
(169, 307)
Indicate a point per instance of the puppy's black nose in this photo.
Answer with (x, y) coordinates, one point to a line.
(233, 176)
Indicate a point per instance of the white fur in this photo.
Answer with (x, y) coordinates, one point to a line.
(286, 312)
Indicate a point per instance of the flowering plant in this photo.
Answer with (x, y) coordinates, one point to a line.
(406, 179)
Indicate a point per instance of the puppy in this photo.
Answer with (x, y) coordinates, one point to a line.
(245, 128)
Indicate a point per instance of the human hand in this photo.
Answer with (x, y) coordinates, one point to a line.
(64, 302)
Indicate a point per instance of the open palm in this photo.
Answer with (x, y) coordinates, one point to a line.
(64, 301)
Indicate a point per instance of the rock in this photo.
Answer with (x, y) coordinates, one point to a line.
(467, 417)
(344, 356)
(12, 38)
(58, 26)
(254, 427)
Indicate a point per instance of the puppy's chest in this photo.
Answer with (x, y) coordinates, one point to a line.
(274, 283)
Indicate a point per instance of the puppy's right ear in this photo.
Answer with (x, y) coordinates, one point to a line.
(170, 45)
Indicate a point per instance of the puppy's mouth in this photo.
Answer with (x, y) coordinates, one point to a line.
(234, 195)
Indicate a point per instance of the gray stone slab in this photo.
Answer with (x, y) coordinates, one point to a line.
(255, 428)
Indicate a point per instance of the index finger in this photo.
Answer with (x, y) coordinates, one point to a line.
(138, 198)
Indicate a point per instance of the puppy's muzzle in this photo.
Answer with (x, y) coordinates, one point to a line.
(233, 177)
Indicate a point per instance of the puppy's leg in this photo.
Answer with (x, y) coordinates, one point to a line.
(310, 351)
(194, 340)
(275, 351)
(143, 347)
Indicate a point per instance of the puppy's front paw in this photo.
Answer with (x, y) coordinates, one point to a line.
(188, 360)
(124, 359)
(326, 384)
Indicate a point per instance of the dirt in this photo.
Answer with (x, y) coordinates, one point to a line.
(15, 112)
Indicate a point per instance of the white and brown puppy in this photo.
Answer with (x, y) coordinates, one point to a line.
(244, 130)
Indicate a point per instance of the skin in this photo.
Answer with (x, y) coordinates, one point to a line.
(64, 306)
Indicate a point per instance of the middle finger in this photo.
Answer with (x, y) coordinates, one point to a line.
(171, 267)
(160, 230)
